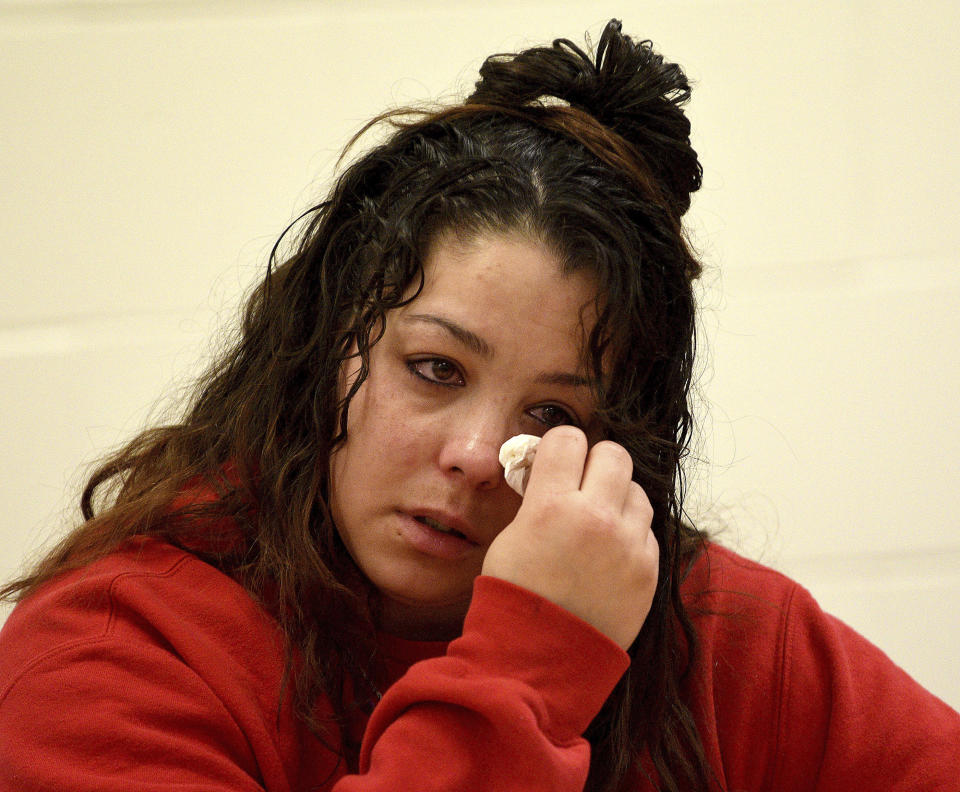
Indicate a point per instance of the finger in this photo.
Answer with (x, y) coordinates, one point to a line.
(637, 509)
(607, 475)
(558, 465)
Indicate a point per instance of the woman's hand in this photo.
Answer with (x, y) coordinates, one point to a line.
(582, 537)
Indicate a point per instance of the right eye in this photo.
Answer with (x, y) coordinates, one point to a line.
(438, 371)
(553, 415)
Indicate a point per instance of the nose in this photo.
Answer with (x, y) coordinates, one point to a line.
(471, 447)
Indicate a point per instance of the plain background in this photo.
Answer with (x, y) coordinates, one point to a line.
(151, 152)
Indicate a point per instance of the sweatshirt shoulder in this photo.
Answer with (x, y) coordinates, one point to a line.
(147, 591)
(722, 577)
(741, 611)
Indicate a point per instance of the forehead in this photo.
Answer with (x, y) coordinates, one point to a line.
(506, 278)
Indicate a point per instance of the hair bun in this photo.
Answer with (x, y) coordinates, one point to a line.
(627, 87)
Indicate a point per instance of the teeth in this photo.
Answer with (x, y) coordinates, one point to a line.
(435, 525)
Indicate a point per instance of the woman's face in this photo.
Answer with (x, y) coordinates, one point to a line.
(489, 349)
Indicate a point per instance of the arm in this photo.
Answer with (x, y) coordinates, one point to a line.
(503, 710)
(179, 688)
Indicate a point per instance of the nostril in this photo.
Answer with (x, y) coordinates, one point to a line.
(471, 458)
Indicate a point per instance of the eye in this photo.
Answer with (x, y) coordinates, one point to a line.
(437, 371)
(551, 415)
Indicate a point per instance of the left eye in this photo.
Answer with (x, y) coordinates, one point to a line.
(552, 415)
(436, 370)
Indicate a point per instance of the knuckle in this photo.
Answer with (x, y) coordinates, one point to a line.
(646, 563)
(562, 508)
(614, 452)
(640, 499)
(653, 550)
(565, 433)
(602, 519)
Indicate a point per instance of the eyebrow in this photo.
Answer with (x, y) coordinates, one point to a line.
(479, 345)
(466, 337)
(565, 379)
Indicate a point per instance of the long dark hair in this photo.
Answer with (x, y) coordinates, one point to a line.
(589, 155)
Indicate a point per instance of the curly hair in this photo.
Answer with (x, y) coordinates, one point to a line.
(588, 155)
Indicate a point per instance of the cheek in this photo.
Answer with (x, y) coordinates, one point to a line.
(383, 434)
(398, 442)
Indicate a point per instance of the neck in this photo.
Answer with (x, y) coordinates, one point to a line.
(421, 622)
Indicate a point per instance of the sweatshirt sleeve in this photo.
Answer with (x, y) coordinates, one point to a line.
(851, 719)
(504, 709)
(163, 674)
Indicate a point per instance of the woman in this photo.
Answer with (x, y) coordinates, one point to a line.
(319, 578)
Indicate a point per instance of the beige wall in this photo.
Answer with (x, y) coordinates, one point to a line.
(150, 152)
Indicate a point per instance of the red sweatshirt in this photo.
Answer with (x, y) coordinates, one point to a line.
(151, 670)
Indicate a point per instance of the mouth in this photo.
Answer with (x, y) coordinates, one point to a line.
(439, 526)
(438, 534)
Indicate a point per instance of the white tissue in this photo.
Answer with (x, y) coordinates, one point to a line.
(516, 456)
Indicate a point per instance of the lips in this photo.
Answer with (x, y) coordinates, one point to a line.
(446, 522)
(438, 526)
(435, 534)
